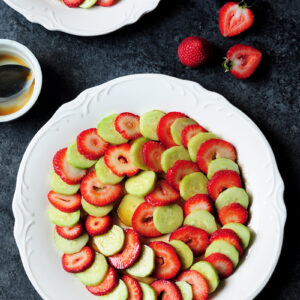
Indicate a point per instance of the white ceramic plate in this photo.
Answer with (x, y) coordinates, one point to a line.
(54, 15)
(138, 94)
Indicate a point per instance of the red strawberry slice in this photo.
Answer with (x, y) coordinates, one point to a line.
(142, 221)
(197, 239)
(163, 194)
(70, 233)
(97, 193)
(214, 148)
(180, 169)
(152, 152)
(198, 283)
(167, 263)
(130, 252)
(235, 18)
(98, 225)
(233, 213)
(80, 261)
(90, 144)
(189, 131)
(199, 201)
(222, 180)
(242, 61)
(106, 285)
(134, 290)
(229, 236)
(166, 289)
(106, 2)
(65, 203)
(164, 128)
(222, 264)
(64, 170)
(73, 3)
(128, 125)
(117, 158)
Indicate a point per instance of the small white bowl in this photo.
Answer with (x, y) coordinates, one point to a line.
(9, 47)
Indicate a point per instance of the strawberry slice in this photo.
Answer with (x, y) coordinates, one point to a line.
(152, 152)
(233, 213)
(167, 263)
(197, 239)
(98, 225)
(64, 170)
(199, 201)
(70, 233)
(106, 2)
(222, 180)
(142, 221)
(128, 125)
(222, 264)
(65, 203)
(166, 289)
(109, 282)
(198, 283)
(229, 236)
(180, 169)
(189, 131)
(214, 148)
(130, 252)
(235, 18)
(90, 144)
(164, 128)
(73, 3)
(80, 261)
(97, 193)
(134, 290)
(117, 158)
(163, 194)
(242, 61)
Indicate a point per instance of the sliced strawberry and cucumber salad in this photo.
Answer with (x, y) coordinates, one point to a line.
(89, 3)
(150, 207)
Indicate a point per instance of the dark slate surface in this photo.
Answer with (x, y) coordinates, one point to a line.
(71, 64)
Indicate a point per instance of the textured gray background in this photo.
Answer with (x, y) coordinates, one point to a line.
(71, 64)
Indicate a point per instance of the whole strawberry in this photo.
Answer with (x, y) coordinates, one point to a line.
(194, 51)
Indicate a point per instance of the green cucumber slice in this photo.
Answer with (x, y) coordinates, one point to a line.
(149, 122)
(184, 253)
(185, 290)
(96, 211)
(167, 218)
(221, 164)
(105, 174)
(141, 184)
(106, 129)
(63, 219)
(136, 153)
(87, 3)
(192, 184)
(178, 126)
(77, 160)
(202, 219)
(148, 291)
(232, 195)
(120, 292)
(242, 231)
(196, 141)
(171, 155)
(60, 187)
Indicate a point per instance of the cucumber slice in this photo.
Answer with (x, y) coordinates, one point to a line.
(178, 126)
(202, 219)
(96, 211)
(144, 266)
(192, 184)
(60, 187)
(148, 291)
(171, 155)
(224, 248)
(232, 195)
(185, 290)
(110, 242)
(95, 273)
(63, 219)
(221, 164)
(105, 174)
(87, 3)
(136, 153)
(77, 160)
(167, 218)
(141, 184)
(70, 246)
(149, 122)
(242, 231)
(120, 292)
(106, 129)
(184, 253)
(196, 141)
(127, 207)
(209, 273)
